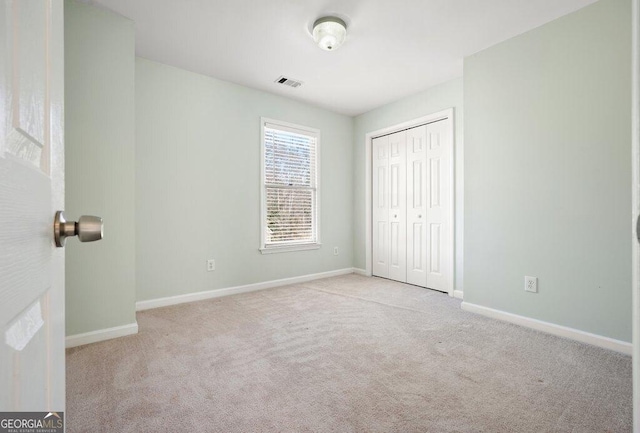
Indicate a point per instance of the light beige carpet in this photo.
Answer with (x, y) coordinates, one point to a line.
(345, 354)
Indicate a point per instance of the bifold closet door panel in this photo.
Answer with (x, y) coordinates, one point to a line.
(398, 206)
(380, 203)
(438, 203)
(417, 206)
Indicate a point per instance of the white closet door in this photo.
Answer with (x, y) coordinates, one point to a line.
(417, 206)
(438, 204)
(398, 206)
(380, 212)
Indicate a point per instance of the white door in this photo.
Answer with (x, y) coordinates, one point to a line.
(390, 206)
(635, 188)
(31, 190)
(417, 206)
(398, 206)
(380, 212)
(411, 230)
(438, 204)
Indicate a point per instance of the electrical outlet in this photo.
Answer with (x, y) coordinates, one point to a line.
(531, 284)
(211, 265)
(335, 251)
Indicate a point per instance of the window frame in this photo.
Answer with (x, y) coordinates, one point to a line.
(297, 246)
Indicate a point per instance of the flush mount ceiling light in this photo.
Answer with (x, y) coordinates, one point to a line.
(329, 33)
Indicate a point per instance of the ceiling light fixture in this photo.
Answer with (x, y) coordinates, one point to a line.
(329, 33)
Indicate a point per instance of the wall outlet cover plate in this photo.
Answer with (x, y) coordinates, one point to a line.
(531, 284)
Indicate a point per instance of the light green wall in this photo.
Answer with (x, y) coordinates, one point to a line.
(99, 159)
(548, 172)
(546, 162)
(438, 98)
(198, 184)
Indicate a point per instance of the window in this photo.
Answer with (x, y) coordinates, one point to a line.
(290, 193)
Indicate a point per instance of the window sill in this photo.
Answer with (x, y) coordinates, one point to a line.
(290, 248)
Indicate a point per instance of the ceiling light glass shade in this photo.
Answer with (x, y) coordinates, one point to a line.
(329, 33)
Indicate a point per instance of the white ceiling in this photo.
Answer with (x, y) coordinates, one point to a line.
(394, 47)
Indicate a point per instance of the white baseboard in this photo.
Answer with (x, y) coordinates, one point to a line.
(217, 293)
(551, 328)
(458, 294)
(362, 272)
(101, 335)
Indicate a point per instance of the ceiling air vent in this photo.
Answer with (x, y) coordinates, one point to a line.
(289, 82)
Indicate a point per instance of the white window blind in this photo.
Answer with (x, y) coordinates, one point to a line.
(290, 193)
